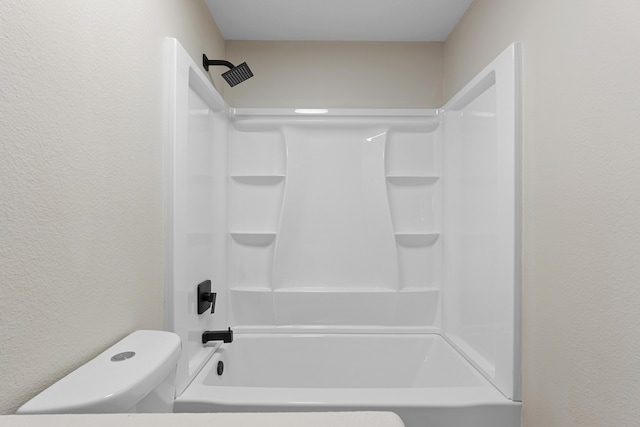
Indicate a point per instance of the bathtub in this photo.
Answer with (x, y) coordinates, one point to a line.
(418, 376)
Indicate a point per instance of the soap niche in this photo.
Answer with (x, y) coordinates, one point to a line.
(418, 260)
(257, 166)
(412, 171)
(413, 202)
(251, 259)
(411, 154)
(255, 203)
(257, 153)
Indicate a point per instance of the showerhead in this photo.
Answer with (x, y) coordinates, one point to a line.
(238, 74)
(235, 75)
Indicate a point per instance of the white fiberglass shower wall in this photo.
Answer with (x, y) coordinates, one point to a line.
(347, 221)
(334, 220)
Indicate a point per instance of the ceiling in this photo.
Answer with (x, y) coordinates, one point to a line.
(337, 20)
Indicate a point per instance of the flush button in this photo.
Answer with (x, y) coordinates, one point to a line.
(123, 356)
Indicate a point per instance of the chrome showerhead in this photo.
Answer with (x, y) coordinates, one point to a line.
(235, 75)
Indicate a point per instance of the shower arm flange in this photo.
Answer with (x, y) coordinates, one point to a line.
(206, 62)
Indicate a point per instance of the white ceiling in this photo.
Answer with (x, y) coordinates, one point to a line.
(344, 20)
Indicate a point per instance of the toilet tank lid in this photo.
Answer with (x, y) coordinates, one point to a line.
(103, 385)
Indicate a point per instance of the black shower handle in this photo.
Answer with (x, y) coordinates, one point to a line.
(206, 298)
(211, 298)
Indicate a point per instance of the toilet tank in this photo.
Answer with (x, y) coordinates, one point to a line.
(137, 374)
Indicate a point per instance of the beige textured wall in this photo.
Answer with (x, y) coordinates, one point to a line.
(338, 74)
(581, 198)
(81, 170)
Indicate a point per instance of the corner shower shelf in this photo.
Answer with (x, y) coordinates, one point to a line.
(254, 239)
(416, 239)
(412, 179)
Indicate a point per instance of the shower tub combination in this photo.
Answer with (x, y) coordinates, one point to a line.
(365, 259)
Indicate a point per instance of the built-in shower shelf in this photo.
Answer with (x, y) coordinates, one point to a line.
(253, 239)
(416, 239)
(258, 179)
(412, 179)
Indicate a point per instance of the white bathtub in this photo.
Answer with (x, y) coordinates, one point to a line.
(418, 376)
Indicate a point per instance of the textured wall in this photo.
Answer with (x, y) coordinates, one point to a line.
(338, 74)
(81, 167)
(581, 198)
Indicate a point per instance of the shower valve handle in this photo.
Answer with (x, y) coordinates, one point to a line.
(210, 298)
(206, 298)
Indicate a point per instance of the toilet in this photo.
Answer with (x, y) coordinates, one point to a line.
(137, 374)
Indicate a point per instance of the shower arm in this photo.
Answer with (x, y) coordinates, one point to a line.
(206, 62)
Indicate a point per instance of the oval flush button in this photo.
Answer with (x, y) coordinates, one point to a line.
(123, 356)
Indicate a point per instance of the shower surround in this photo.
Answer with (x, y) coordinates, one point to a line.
(334, 221)
(335, 238)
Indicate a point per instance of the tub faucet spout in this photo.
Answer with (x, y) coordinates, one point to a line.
(224, 336)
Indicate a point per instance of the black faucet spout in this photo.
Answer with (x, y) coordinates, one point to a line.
(224, 336)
